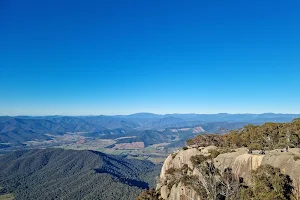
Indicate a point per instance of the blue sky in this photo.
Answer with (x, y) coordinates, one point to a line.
(118, 57)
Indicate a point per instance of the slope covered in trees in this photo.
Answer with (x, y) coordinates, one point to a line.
(69, 174)
(266, 136)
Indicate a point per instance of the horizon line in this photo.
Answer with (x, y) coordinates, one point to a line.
(55, 115)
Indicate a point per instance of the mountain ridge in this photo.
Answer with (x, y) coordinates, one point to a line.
(25, 128)
(69, 174)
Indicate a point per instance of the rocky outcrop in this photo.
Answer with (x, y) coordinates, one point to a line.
(176, 161)
(239, 161)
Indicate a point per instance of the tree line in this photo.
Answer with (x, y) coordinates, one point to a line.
(266, 136)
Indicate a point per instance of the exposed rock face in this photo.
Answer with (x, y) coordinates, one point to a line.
(182, 192)
(178, 159)
(240, 161)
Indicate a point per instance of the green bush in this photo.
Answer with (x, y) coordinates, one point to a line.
(213, 153)
(270, 184)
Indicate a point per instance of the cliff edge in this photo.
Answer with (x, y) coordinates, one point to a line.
(172, 187)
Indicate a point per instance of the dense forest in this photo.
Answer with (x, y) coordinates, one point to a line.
(266, 136)
(68, 174)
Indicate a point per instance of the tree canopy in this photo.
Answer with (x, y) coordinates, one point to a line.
(267, 136)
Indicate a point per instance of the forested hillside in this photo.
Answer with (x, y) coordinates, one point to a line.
(68, 174)
(266, 136)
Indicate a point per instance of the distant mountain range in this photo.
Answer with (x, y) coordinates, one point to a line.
(146, 117)
(16, 130)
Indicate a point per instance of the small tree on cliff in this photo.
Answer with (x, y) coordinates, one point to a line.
(270, 184)
(230, 186)
(218, 186)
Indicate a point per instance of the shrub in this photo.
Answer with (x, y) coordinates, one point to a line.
(174, 155)
(226, 150)
(270, 184)
(150, 194)
(205, 140)
(170, 171)
(198, 159)
(190, 142)
(296, 158)
(193, 182)
(213, 153)
(185, 168)
(185, 148)
(255, 146)
(245, 193)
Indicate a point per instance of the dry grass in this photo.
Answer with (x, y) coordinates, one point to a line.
(7, 197)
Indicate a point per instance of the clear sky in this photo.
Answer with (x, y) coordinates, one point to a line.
(72, 57)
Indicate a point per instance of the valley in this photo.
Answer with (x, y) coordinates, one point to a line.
(143, 136)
